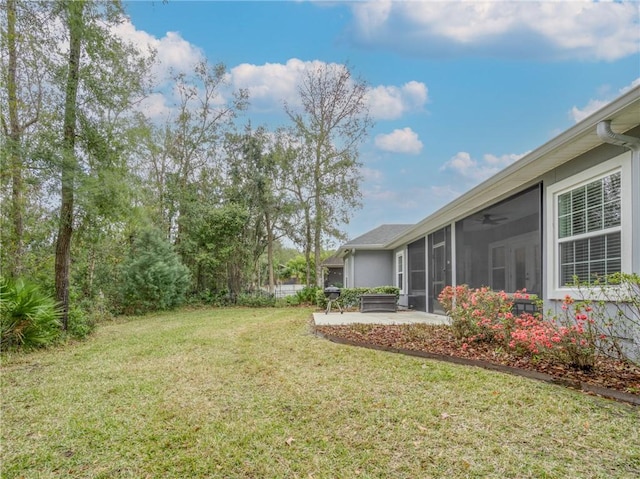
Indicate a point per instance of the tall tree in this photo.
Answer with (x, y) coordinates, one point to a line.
(182, 172)
(332, 123)
(185, 150)
(297, 173)
(24, 43)
(102, 78)
(69, 161)
(257, 179)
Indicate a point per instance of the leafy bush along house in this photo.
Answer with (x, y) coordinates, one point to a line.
(569, 208)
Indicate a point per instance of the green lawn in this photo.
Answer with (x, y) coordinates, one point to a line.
(241, 393)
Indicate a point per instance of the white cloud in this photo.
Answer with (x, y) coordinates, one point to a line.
(461, 163)
(173, 54)
(501, 161)
(444, 193)
(632, 85)
(377, 192)
(416, 92)
(155, 106)
(538, 29)
(371, 175)
(579, 114)
(391, 102)
(269, 85)
(593, 105)
(474, 171)
(272, 84)
(400, 141)
(172, 51)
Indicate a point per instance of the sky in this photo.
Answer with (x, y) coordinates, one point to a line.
(457, 89)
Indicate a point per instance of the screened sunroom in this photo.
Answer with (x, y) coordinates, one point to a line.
(499, 246)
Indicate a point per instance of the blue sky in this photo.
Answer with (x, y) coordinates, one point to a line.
(458, 90)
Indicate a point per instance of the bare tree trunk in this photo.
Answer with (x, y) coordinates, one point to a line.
(272, 283)
(318, 219)
(14, 134)
(69, 162)
(17, 209)
(307, 244)
(91, 270)
(317, 237)
(28, 105)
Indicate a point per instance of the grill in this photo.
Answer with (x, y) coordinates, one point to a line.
(332, 294)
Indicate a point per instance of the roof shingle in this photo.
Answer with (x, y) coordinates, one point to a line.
(378, 236)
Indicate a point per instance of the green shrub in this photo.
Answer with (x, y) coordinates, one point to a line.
(212, 297)
(257, 299)
(81, 323)
(307, 295)
(292, 300)
(615, 311)
(350, 297)
(85, 314)
(28, 317)
(153, 277)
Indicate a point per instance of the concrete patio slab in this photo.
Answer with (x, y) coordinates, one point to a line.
(401, 317)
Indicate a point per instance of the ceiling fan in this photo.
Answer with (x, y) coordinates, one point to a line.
(490, 219)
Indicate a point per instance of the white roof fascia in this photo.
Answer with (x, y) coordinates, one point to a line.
(364, 246)
(344, 250)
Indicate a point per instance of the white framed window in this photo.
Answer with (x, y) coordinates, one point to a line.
(400, 267)
(589, 225)
(590, 229)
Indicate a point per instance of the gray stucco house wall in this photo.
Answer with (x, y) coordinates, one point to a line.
(371, 269)
(366, 262)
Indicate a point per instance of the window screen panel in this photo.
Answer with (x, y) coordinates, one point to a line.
(588, 208)
(598, 248)
(499, 246)
(578, 211)
(590, 259)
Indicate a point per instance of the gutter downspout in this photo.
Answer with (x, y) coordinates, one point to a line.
(353, 267)
(603, 129)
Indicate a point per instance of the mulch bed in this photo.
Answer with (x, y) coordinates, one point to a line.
(609, 378)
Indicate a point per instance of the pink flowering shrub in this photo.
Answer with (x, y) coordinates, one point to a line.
(532, 335)
(455, 301)
(479, 314)
(570, 339)
(485, 315)
(579, 337)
